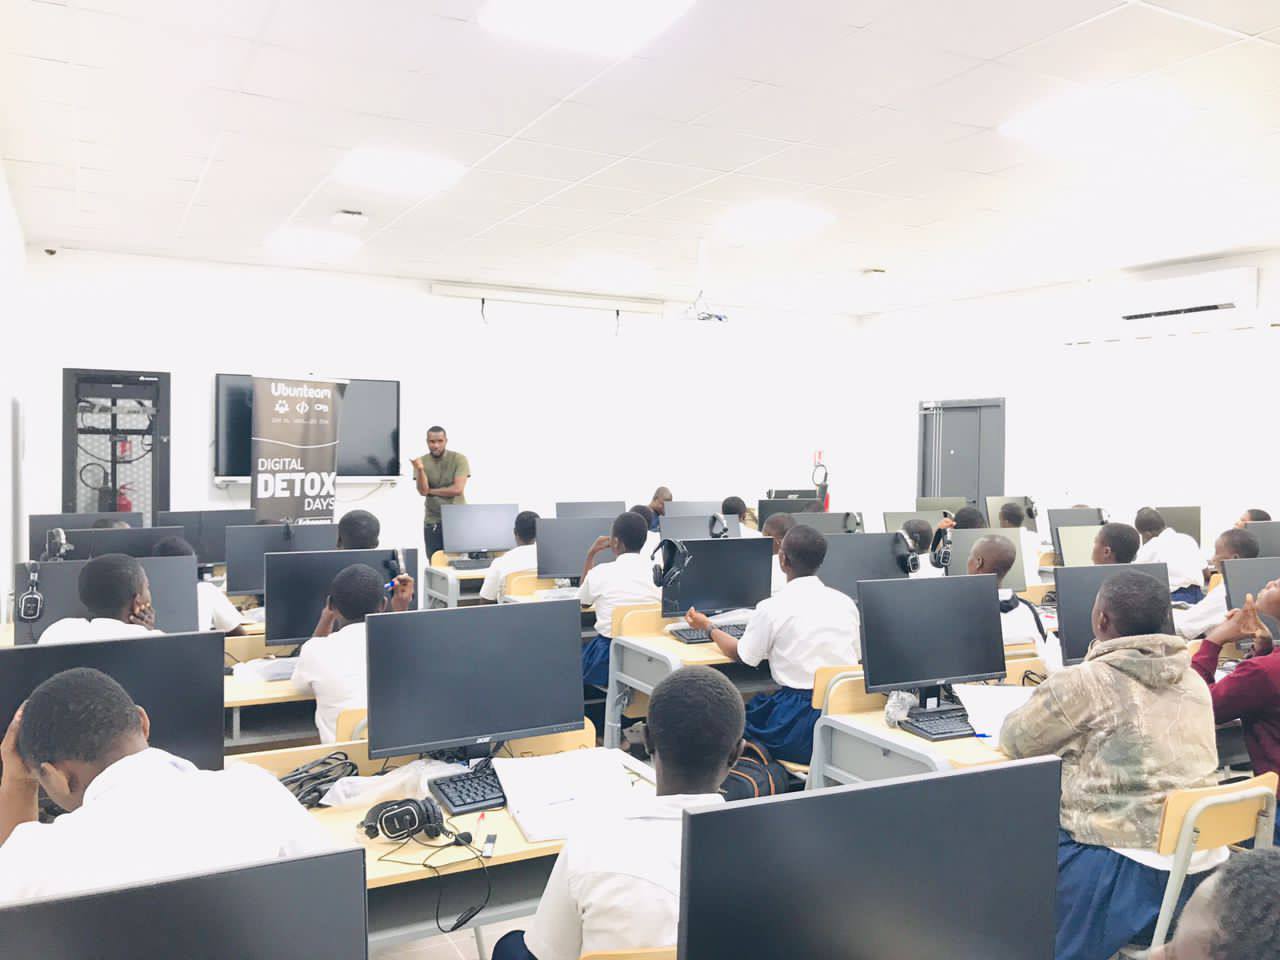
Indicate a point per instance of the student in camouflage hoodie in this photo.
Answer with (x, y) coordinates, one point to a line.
(1131, 723)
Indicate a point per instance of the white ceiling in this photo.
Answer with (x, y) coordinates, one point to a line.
(192, 128)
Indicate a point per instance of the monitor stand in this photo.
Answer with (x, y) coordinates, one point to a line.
(474, 560)
(464, 755)
(932, 704)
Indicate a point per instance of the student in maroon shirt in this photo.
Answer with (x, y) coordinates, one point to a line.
(1251, 692)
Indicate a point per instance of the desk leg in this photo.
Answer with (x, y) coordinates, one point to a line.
(616, 698)
(235, 724)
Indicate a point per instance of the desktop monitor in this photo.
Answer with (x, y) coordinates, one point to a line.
(246, 547)
(135, 541)
(767, 508)
(995, 504)
(894, 519)
(698, 527)
(1268, 534)
(1073, 517)
(797, 493)
(206, 530)
(317, 909)
(832, 523)
(1244, 577)
(1075, 545)
(1077, 589)
(1183, 519)
(589, 508)
(854, 557)
(826, 873)
(563, 543)
(949, 504)
(39, 525)
(173, 594)
(478, 527)
(176, 678)
(719, 575)
(962, 542)
(297, 586)
(466, 676)
(924, 633)
(691, 508)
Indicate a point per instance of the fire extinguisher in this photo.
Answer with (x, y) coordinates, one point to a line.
(123, 503)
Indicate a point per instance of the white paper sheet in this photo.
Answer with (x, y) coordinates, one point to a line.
(987, 706)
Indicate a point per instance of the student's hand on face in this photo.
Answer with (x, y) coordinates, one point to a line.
(15, 771)
(601, 544)
(402, 593)
(699, 621)
(144, 616)
(946, 523)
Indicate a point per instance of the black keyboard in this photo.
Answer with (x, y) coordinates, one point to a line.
(946, 724)
(470, 792)
(690, 635)
(469, 564)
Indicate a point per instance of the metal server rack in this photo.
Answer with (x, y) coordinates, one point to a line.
(115, 441)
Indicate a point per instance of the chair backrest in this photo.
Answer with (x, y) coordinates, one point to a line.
(1016, 669)
(525, 583)
(583, 739)
(662, 953)
(440, 560)
(1223, 815)
(1035, 592)
(353, 724)
(842, 689)
(1214, 582)
(1049, 559)
(638, 620)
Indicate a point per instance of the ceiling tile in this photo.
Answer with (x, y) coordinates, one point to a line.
(593, 128)
(588, 196)
(711, 149)
(36, 29)
(807, 165)
(663, 178)
(1233, 84)
(985, 96)
(543, 160)
(657, 88)
(1248, 16)
(233, 18)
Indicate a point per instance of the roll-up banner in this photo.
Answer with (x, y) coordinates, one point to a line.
(295, 448)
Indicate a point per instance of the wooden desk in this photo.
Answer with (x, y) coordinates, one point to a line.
(289, 726)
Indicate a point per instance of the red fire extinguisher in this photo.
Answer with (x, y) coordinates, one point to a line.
(123, 503)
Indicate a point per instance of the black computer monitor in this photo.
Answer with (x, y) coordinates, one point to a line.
(1077, 589)
(39, 525)
(317, 910)
(994, 505)
(465, 676)
(1268, 534)
(247, 546)
(176, 678)
(831, 523)
(767, 508)
(895, 519)
(478, 527)
(1183, 519)
(698, 527)
(206, 530)
(962, 543)
(792, 493)
(949, 504)
(297, 586)
(1072, 517)
(173, 594)
(949, 892)
(135, 541)
(691, 508)
(567, 509)
(727, 574)
(925, 633)
(563, 543)
(853, 557)
(1244, 577)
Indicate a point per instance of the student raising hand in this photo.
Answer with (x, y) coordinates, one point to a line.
(402, 593)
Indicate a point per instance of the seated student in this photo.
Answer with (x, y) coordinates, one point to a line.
(1252, 516)
(333, 664)
(1131, 723)
(358, 530)
(628, 579)
(1251, 692)
(106, 523)
(805, 626)
(661, 497)
(523, 557)
(616, 882)
(919, 536)
(1019, 623)
(1233, 544)
(1179, 552)
(1115, 543)
(135, 813)
(213, 610)
(737, 507)
(653, 537)
(966, 518)
(115, 592)
(1232, 915)
(1012, 517)
(777, 527)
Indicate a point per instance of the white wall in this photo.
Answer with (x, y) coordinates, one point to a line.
(11, 270)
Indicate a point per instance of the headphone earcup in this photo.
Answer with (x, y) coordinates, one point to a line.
(432, 818)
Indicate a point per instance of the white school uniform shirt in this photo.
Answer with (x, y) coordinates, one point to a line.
(1019, 624)
(152, 815)
(1204, 616)
(517, 560)
(628, 579)
(1180, 553)
(927, 570)
(335, 668)
(805, 626)
(1029, 547)
(81, 630)
(616, 882)
(745, 531)
(777, 579)
(214, 610)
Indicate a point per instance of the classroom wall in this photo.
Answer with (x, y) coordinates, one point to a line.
(11, 269)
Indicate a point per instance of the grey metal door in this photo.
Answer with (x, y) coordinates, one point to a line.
(962, 449)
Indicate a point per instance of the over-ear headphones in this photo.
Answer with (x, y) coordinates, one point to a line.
(31, 603)
(1029, 508)
(675, 559)
(1012, 604)
(719, 527)
(940, 549)
(905, 553)
(402, 819)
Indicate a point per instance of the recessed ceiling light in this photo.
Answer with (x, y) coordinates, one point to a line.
(763, 222)
(307, 245)
(602, 28)
(398, 171)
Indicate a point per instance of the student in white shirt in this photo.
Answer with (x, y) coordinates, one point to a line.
(747, 522)
(919, 536)
(616, 883)
(523, 557)
(1019, 622)
(1115, 543)
(1013, 516)
(806, 626)
(333, 663)
(1179, 552)
(213, 610)
(628, 579)
(117, 596)
(653, 538)
(777, 527)
(1233, 544)
(135, 813)
(358, 530)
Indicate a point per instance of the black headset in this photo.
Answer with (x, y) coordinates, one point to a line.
(904, 552)
(1029, 508)
(1012, 604)
(719, 527)
(675, 560)
(940, 549)
(31, 603)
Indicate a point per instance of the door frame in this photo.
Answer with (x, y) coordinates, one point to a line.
(927, 406)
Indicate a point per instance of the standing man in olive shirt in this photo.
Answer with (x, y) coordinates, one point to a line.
(442, 478)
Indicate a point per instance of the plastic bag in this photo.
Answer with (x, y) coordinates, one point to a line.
(411, 780)
(899, 705)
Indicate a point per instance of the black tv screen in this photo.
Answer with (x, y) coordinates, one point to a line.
(368, 427)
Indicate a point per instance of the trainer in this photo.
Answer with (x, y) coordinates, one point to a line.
(442, 478)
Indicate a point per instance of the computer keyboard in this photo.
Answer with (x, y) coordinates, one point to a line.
(470, 792)
(690, 635)
(945, 724)
(469, 564)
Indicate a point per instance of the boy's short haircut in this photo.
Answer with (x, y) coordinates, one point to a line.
(696, 719)
(631, 531)
(1122, 539)
(805, 548)
(78, 714)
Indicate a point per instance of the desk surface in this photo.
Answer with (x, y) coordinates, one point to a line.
(966, 752)
(690, 654)
(246, 692)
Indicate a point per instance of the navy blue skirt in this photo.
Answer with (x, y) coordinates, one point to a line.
(595, 662)
(782, 722)
(1187, 595)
